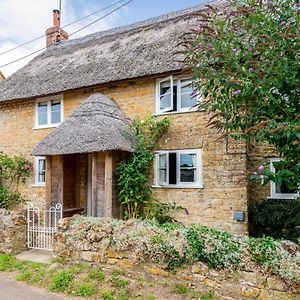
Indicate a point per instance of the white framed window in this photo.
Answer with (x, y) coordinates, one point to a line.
(175, 94)
(40, 170)
(280, 191)
(49, 112)
(178, 169)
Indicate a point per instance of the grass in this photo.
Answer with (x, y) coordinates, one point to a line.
(85, 289)
(62, 280)
(89, 281)
(180, 289)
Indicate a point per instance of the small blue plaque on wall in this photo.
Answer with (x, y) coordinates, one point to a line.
(239, 216)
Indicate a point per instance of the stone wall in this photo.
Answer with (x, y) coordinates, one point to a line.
(12, 231)
(86, 240)
(224, 163)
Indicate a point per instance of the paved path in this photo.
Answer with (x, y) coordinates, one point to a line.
(13, 290)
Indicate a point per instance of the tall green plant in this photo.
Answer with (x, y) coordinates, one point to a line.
(133, 175)
(246, 60)
(13, 171)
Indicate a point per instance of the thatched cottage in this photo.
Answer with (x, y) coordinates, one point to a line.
(68, 108)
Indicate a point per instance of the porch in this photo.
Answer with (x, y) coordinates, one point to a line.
(83, 183)
(81, 157)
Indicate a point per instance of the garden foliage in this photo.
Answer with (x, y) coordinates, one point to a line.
(13, 171)
(133, 175)
(246, 60)
(277, 218)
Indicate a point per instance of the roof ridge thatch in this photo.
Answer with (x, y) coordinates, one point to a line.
(144, 49)
(144, 23)
(97, 125)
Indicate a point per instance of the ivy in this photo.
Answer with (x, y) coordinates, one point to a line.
(134, 192)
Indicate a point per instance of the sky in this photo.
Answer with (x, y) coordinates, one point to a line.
(21, 21)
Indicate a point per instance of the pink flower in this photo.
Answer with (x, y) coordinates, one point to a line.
(260, 168)
(235, 93)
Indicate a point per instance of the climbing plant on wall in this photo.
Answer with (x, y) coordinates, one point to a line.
(133, 176)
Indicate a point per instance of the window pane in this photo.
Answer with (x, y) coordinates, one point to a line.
(283, 189)
(162, 168)
(55, 117)
(187, 160)
(162, 160)
(41, 170)
(165, 95)
(187, 99)
(187, 167)
(55, 112)
(165, 101)
(162, 175)
(42, 113)
(187, 175)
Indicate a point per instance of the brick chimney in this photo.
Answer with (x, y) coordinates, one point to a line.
(55, 34)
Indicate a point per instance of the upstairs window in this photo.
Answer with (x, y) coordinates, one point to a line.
(49, 113)
(40, 171)
(181, 168)
(280, 190)
(175, 95)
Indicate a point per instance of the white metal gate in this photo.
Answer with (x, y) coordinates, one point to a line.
(42, 225)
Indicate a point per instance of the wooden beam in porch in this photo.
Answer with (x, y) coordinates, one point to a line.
(54, 180)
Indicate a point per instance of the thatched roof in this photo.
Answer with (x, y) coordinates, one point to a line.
(97, 125)
(142, 49)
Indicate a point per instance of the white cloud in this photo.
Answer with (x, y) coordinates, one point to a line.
(21, 21)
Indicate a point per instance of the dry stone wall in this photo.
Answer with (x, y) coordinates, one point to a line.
(12, 231)
(86, 241)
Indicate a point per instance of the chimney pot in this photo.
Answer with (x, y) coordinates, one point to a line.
(56, 18)
(55, 34)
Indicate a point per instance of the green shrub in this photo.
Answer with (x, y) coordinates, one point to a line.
(119, 282)
(214, 247)
(9, 198)
(33, 273)
(6, 262)
(86, 289)
(107, 295)
(277, 218)
(180, 289)
(96, 274)
(264, 250)
(61, 281)
(172, 256)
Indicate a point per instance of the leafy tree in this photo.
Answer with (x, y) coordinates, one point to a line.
(246, 59)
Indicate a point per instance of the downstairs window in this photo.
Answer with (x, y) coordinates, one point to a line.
(280, 190)
(180, 168)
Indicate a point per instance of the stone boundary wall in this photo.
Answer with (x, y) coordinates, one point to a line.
(12, 231)
(82, 243)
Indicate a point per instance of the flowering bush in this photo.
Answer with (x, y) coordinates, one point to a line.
(13, 171)
(246, 60)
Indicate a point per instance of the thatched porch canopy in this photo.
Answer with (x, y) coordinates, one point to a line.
(81, 156)
(98, 125)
